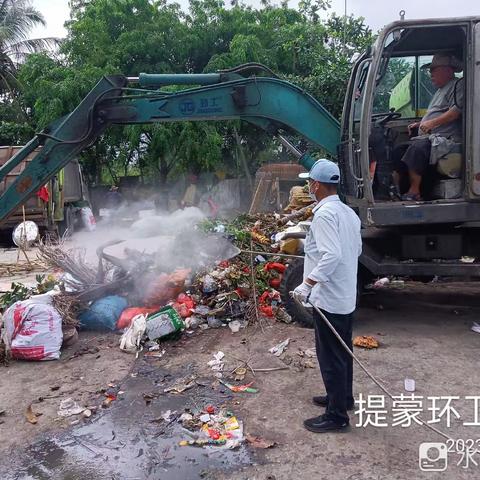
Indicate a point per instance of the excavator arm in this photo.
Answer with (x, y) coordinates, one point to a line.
(276, 106)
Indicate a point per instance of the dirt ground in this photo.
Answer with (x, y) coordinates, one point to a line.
(424, 334)
(43, 385)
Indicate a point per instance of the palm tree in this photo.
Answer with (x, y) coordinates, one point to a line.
(17, 18)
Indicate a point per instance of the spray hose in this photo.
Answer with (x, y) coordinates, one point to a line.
(345, 346)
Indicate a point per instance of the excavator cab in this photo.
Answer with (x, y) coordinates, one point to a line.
(389, 90)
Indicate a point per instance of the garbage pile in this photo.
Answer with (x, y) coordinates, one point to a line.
(219, 273)
(220, 428)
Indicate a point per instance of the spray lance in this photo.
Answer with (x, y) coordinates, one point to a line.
(359, 363)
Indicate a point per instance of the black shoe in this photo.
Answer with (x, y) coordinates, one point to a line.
(322, 424)
(322, 401)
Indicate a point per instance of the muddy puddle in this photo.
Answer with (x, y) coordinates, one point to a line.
(124, 441)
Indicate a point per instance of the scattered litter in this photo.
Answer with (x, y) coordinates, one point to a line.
(216, 364)
(309, 352)
(467, 259)
(240, 373)
(476, 327)
(381, 282)
(130, 341)
(222, 430)
(214, 322)
(278, 349)
(234, 326)
(87, 413)
(69, 407)
(30, 415)
(167, 416)
(155, 354)
(240, 388)
(259, 442)
(409, 384)
(110, 397)
(365, 341)
(182, 385)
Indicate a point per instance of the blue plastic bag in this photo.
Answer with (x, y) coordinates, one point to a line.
(103, 314)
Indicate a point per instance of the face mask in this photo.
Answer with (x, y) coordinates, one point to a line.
(312, 194)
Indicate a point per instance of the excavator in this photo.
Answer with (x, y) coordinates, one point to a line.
(438, 236)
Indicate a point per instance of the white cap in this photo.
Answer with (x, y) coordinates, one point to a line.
(324, 171)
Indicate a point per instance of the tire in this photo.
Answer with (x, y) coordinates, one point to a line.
(293, 277)
(364, 278)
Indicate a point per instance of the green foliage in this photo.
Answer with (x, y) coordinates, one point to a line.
(133, 36)
(17, 292)
(17, 19)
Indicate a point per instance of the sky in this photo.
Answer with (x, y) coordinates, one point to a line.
(376, 13)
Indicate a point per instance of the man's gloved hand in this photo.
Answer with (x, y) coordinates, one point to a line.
(302, 292)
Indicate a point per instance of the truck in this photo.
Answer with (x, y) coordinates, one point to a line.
(53, 208)
(406, 238)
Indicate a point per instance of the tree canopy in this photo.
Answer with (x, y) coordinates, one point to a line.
(308, 46)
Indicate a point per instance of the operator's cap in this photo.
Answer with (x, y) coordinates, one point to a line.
(442, 60)
(323, 171)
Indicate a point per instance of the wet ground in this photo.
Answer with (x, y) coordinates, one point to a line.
(129, 440)
(424, 333)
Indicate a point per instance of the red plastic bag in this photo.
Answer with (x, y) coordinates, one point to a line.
(266, 310)
(184, 305)
(127, 315)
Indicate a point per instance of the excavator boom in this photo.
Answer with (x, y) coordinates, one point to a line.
(276, 106)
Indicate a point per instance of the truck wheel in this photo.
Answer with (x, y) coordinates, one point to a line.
(364, 278)
(293, 277)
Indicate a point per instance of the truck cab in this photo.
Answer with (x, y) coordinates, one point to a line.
(389, 90)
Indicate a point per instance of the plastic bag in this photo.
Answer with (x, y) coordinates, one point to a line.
(130, 341)
(103, 313)
(184, 305)
(128, 314)
(88, 219)
(32, 331)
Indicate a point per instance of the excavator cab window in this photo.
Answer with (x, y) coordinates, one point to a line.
(402, 94)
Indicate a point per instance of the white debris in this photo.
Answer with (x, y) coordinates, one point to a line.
(277, 350)
(476, 327)
(167, 416)
(205, 418)
(130, 341)
(216, 364)
(235, 326)
(381, 282)
(69, 407)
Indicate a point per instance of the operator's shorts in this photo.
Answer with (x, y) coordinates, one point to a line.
(417, 155)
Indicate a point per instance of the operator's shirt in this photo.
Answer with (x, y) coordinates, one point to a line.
(332, 248)
(450, 96)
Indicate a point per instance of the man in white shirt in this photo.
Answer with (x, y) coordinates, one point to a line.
(332, 248)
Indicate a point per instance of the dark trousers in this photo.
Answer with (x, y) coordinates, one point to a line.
(417, 156)
(336, 365)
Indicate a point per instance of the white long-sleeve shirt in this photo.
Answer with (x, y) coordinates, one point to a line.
(332, 248)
